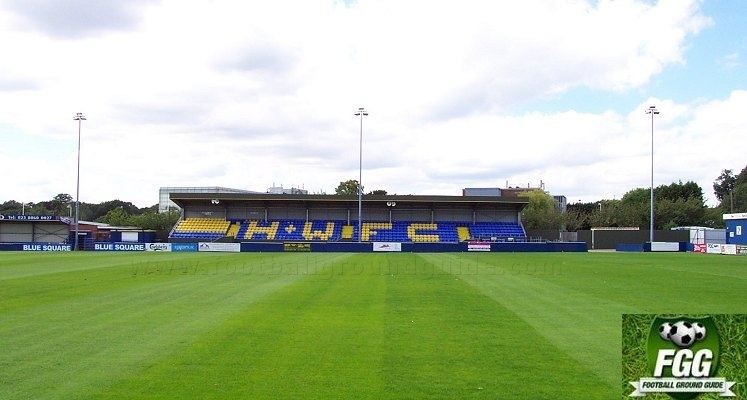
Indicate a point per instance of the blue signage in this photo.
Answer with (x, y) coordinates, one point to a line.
(46, 247)
(183, 247)
(28, 218)
(119, 246)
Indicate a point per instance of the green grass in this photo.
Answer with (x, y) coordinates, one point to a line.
(216, 326)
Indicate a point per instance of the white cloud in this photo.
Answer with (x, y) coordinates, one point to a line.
(730, 61)
(250, 93)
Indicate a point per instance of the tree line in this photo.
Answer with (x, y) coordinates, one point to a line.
(676, 204)
(113, 212)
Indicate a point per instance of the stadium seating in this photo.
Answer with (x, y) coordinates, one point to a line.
(497, 231)
(258, 230)
(233, 229)
(336, 230)
(200, 228)
(406, 231)
(463, 233)
(347, 232)
(291, 230)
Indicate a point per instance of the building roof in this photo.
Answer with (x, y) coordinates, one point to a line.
(192, 198)
(101, 225)
(202, 189)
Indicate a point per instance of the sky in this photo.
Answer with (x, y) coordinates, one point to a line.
(250, 94)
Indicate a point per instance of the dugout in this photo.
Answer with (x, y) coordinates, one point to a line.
(388, 208)
(33, 228)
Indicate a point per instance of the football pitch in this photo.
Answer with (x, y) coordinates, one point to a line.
(346, 326)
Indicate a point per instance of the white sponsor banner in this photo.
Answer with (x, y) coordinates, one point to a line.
(129, 236)
(478, 246)
(730, 249)
(665, 246)
(158, 247)
(227, 247)
(682, 385)
(736, 216)
(713, 248)
(387, 246)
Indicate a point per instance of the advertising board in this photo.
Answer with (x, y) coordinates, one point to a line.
(665, 246)
(713, 248)
(478, 246)
(387, 246)
(302, 247)
(157, 246)
(28, 218)
(219, 247)
(46, 247)
(729, 249)
(183, 247)
(119, 247)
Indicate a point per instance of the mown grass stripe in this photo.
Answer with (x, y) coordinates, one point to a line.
(575, 323)
(80, 343)
(450, 340)
(256, 352)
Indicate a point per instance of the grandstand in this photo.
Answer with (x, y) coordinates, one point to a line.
(243, 217)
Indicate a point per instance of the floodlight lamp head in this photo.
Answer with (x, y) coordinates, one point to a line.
(79, 117)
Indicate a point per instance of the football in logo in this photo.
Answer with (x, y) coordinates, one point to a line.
(664, 330)
(700, 331)
(682, 359)
(682, 334)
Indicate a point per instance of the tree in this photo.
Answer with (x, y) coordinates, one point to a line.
(680, 212)
(677, 191)
(576, 219)
(541, 212)
(377, 192)
(740, 198)
(11, 207)
(724, 184)
(713, 218)
(36, 208)
(347, 188)
(101, 209)
(610, 213)
(116, 217)
(676, 204)
(60, 203)
(154, 220)
(731, 191)
(742, 177)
